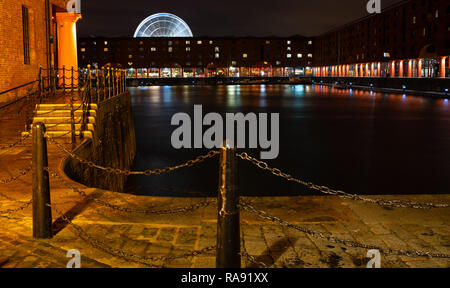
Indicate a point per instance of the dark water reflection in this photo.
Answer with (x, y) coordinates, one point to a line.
(360, 142)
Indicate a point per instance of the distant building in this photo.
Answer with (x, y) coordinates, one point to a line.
(34, 34)
(410, 39)
(201, 56)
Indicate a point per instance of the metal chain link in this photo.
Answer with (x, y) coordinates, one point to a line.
(330, 238)
(146, 260)
(23, 207)
(177, 210)
(325, 190)
(190, 163)
(15, 143)
(12, 179)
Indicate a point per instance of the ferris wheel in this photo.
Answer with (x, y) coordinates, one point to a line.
(163, 25)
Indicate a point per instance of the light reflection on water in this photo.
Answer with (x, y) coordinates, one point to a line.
(358, 141)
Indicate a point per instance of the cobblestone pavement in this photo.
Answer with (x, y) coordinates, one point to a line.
(170, 235)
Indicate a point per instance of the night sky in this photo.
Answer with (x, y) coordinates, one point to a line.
(115, 18)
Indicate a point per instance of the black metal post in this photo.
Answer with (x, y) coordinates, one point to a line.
(72, 112)
(64, 79)
(228, 223)
(42, 214)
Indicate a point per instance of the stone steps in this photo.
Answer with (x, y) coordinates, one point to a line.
(64, 113)
(58, 121)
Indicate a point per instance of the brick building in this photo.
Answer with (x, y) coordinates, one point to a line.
(410, 39)
(200, 56)
(30, 37)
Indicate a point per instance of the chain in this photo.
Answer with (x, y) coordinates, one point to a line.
(348, 243)
(124, 254)
(12, 179)
(190, 163)
(325, 190)
(253, 260)
(16, 143)
(177, 210)
(23, 207)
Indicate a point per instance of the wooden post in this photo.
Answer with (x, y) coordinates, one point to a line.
(42, 213)
(228, 224)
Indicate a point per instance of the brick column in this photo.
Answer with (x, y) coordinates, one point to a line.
(410, 68)
(442, 68)
(419, 68)
(393, 69)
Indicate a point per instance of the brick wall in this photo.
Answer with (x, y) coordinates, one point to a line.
(13, 71)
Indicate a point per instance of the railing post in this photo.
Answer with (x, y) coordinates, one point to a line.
(72, 112)
(114, 75)
(64, 78)
(42, 213)
(89, 76)
(119, 81)
(103, 83)
(97, 83)
(40, 85)
(228, 223)
(109, 82)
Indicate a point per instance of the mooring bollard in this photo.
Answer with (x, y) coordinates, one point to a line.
(42, 213)
(228, 223)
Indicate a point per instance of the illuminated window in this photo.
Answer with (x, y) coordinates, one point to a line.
(106, 42)
(289, 48)
(310, 42)
(188, 49)
(130, 56)
(386, 55)
(424, 32)
(83, 49)
(299, 55)
(170, 43)
(244, 55)
(188, 42)
(278, 62)
(289, 42)
(436, 14)
(153, 49)
(211, 42)
(233, 63)
(105, 49)
(309, 55)
(414, 20)
(217, 55)
(289, 55)
(170, 49)
(199, 42)
(217, 49)
(267, 42)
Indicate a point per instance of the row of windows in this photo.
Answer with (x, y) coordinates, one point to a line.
(199, 42)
